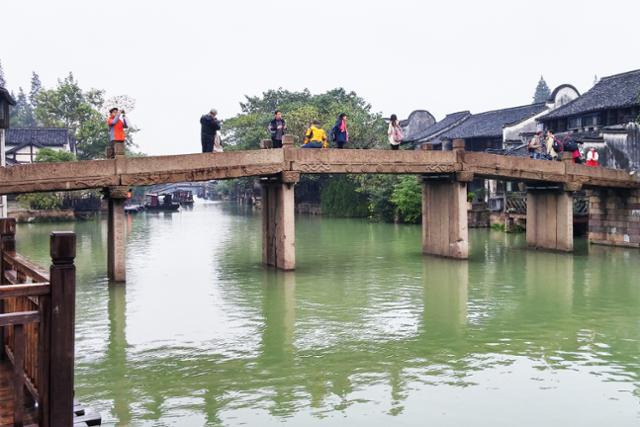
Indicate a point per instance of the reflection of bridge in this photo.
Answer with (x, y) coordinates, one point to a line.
(300, 370)
(615, 202)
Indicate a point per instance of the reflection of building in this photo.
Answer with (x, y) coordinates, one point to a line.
(605, 118)
(23, 144)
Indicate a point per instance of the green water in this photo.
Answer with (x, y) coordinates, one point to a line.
(366, 331)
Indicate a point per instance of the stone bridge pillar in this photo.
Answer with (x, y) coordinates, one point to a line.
(116, 224)
(550, 217)
(116, 234)
(614, 217)
(278, 221)
(444, 215)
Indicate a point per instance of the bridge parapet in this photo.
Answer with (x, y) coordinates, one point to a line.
(208, 166)
(373, 161)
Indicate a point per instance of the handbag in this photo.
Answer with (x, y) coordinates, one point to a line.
(217, 144)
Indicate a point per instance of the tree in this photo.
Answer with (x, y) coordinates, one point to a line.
(81, 111)
(46, 201)
(542, 92)
(36, 87)
(244, 131)
(49, 155)
(3, 81)
(22, 113)
(407, 196)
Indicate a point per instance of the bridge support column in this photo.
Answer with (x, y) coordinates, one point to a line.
(116, 234)
(550, 218)
(278, 221)
(444, 216)
(614, 217)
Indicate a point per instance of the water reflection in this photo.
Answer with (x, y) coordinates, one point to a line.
(446, 284)
(366, 331)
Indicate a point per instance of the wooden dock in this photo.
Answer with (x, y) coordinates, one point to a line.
(82, 417)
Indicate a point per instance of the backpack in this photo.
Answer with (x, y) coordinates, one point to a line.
(398, 136)
(334, 133)
(571, 145)
(557, 147)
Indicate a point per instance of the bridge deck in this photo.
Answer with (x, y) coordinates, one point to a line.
(204, 167)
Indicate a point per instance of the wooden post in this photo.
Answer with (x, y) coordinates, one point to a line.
(62, 318)
(7, 244)
(18, 377)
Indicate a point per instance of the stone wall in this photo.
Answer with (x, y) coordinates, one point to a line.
(614, 217)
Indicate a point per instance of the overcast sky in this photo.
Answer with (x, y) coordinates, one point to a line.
(178, 59)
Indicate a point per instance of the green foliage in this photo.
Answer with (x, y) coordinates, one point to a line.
(244, 131)
(497, 226)
(36, 87)
(46, 201)
(542, 92)
(379, 189)
(69, 106)
(470, 196)
(407, 198)
(22, 114)
(40, 201)
(340, 197)
(235, 188)
(379, 197)
(50, 155)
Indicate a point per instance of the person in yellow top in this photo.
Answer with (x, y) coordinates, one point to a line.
(315, 136)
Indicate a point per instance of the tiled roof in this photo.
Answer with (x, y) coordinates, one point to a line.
(617, 91)
(490, 123)
(4, 94)
(441, 126)
(46, 137)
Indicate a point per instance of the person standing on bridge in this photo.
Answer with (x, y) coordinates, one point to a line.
(394, 133)
(339, 133)
(535, 146)
(117, 123)
(210, 126)
(549, 143)
(276, 129)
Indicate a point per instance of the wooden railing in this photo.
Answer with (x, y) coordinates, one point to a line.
(37, 310)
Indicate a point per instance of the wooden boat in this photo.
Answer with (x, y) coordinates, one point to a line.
(184, 197)
(164, 204)
(132, 209)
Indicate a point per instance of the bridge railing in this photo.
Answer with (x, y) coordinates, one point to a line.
(37, 326)
(517, 203)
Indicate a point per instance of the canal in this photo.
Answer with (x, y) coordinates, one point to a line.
(366, 332)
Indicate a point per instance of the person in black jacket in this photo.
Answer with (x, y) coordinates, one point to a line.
(209, 127)
(276, 129)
